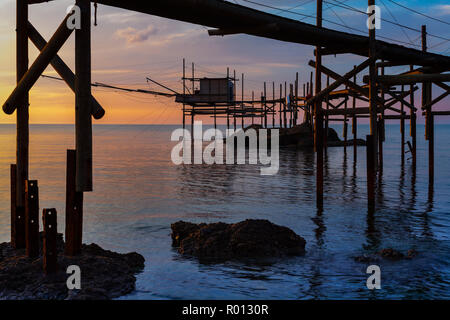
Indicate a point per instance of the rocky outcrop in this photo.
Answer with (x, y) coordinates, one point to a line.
(246, 239)
(104, 274)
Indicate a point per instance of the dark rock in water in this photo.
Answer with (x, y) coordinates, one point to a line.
(104, 274)
(388, 253)
(246, 239)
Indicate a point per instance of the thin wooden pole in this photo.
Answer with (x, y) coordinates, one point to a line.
(22, 114)
(295, 101)
(429, 119)
(83, 119)
(273, 104)
(32, 218)
(234, 113)
(412, 129)
(281, 112)
(370, 172)
(402, 128)
(325, 136)
(228, 107)
(354, 124)
(242, 105)
(318, 132)
(373, 137)
(285, 105)
(184, 93)
(265, 105)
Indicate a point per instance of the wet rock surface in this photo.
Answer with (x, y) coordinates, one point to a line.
(246, 239)
(104, 274)
(387, 254)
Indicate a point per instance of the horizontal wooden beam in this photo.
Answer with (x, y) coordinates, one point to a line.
(410, 78)
(349, 111)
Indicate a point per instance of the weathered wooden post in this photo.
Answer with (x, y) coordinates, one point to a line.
(372, 138)
(49, 251)
(32, 218)
(184, 93)
(412, 129)
(22, 114)
(370, 172)
(285, 105)
(281, 105)
(273, 105)
(318, 132)
(402, 128)
(325, 136)
(83, 120)
(354, 124)
(242, 104)
(429, 120)
(345, 129)
(17, 218)
(74, 208)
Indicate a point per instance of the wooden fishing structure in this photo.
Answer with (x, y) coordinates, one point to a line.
(225, 18)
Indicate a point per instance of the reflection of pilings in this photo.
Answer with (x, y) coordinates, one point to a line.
(370, 171)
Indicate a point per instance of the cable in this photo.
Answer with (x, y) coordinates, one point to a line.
(419, 13)
(348, 7)
(332, 22)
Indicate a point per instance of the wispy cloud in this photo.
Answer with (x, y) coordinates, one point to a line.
(132, 35)
(443, 9)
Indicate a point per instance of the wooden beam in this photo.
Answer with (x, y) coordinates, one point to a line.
(410, 79)
(22, 115)
(341, 80)
(39, 65)
(83, 109)
(63, 70)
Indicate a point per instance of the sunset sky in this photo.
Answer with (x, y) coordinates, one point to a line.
(128, 47)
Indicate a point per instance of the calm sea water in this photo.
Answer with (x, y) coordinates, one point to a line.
(139, 193)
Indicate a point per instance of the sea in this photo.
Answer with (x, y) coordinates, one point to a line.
(139, 193)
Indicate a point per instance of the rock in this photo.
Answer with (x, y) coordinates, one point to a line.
(246, 239)
(104, 274)
(388, 253)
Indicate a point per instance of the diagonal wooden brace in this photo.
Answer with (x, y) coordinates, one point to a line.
(63, 70)
(363, 91)
(39, 65)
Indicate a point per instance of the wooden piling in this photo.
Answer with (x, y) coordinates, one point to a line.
(17, 217)
(412, 129)
(83, 119)
(74, 209)
(380, 142)
(22, 114)
(354, 125)
(32, 218)
(184, 93)
(49, 251)
(402, 128)
(318, 132)
(372, 88)
(370, 170)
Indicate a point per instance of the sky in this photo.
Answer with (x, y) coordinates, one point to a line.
(127, 47)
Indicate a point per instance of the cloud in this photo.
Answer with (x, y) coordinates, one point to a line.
(132, 35)
(443, 9)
